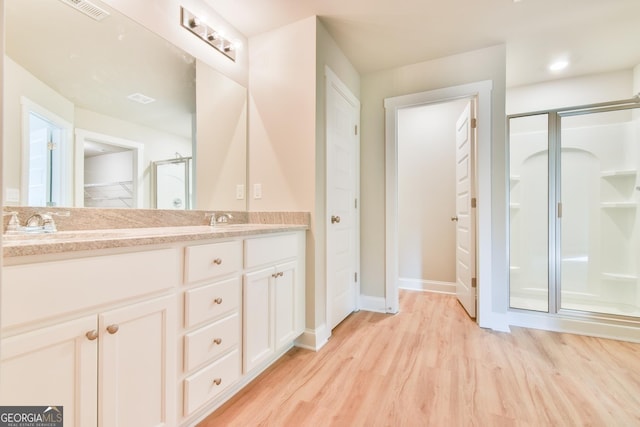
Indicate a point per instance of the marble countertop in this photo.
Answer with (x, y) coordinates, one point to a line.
(15, 245)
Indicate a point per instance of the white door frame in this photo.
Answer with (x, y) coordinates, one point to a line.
(332, 80)
(482, 91)
(138, 167)
(66, 160)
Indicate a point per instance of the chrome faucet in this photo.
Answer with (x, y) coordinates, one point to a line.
(218, 219)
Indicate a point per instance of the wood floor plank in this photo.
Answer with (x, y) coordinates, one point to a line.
(430, 365)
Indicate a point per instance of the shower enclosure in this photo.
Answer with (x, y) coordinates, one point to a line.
(574, 225)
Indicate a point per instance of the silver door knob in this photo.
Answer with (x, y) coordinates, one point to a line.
(335, 219)
(454, 218)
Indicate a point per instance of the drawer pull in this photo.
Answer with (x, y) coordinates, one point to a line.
(92, 335)
(278, 274)
(281, 274)
(274, 275)
(217, 261)
(112, 329)
(218, 300)
(217, 381)
(217, 341)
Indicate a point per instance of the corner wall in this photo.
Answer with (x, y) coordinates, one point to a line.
(469, 67)
(287, 141)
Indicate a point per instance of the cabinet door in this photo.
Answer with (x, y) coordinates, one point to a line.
(54, 366)
(258, 337)
(137, 370)
(285, 297)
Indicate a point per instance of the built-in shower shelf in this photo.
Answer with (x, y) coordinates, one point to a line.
(619, 205)
(619, 173)
(620, 277)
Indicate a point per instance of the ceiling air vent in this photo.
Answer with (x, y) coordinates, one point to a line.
(88, 8)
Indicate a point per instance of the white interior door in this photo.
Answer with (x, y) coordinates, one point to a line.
(464, 217)
(342, 171)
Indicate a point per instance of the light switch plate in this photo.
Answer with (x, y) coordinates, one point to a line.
(240, 192)
(257, 191)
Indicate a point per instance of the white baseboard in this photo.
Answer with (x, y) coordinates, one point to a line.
(376, 304)
(313, 339)
(427, 285)
(591, 327)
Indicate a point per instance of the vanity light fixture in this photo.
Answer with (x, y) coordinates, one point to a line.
(207, 34)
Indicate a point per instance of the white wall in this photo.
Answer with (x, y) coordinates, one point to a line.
(221, 150)
(570, 92)
(479, 65)
(426, 193)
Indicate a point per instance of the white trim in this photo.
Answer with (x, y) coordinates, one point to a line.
(313, 339)
(482, 91)
(332, 80)
(138, 167)
(427, 285)
(28, 106)
(375, 304)
(590, 327)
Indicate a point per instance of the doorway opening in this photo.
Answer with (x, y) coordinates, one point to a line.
(481, 91)
(46, 152)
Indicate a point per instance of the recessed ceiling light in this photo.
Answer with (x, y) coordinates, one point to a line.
(559, 65)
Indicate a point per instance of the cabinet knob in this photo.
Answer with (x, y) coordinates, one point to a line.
(217, 261)
(92, 335)
(274, 275)
(217, 381)
(112, 329)
(218, 300)
(454, 218)
(280, 274)
(335, 219)
(217, 341)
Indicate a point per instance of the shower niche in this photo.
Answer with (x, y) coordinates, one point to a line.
(574, 217)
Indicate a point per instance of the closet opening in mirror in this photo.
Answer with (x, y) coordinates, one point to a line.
(110, 169)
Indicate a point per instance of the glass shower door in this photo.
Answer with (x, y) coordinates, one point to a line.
(599, 225)
(528, 212)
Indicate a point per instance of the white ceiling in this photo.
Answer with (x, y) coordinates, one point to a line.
(596, 35)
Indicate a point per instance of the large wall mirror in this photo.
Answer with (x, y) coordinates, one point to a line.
(94, 101)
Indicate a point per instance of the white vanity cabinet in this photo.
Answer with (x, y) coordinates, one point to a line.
(94, 335)
(273, 300)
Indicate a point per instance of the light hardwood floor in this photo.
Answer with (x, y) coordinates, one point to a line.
(430, 365)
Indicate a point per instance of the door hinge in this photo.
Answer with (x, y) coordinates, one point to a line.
(474, 202)
(355, 276)
(474, 123)
(52, 146)
(560, 210)
(473, 282)
(355, 205)
(356, 129)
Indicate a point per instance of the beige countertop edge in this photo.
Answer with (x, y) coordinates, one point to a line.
(101, 239)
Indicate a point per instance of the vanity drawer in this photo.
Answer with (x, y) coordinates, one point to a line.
(213, 260)
(210, 381)
(269, 250)
(210, 341)
(211, 301)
